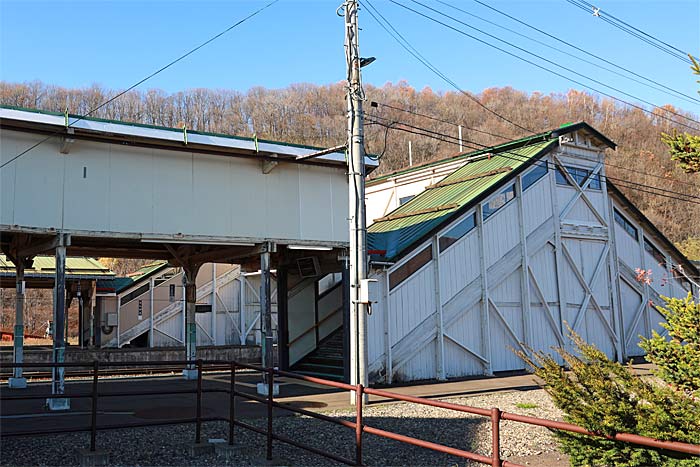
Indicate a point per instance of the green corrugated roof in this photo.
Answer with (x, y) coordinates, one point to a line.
(413, 220)
(121, 283)
(75, 266)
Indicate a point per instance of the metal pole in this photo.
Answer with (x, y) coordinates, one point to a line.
(213, 303)
(59, 343)
(198, 436)
(356, 175)
(17, 381)
(93, 411)
(461, 149)
(359, 396)
(151, 325)
(270, 384)
(495, 437)
(232, 405)
(191, 321)
(266, 309)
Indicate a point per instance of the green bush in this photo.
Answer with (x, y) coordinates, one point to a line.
(606, 397)
(678, 357)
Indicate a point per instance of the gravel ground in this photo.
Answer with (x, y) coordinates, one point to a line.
(169, 445)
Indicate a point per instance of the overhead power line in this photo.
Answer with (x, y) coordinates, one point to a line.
(460, 31)
(141, 81)
(418, 114)
(609, 164)
(650, 189)
(631, 30)
(645, 81)
(401, 40)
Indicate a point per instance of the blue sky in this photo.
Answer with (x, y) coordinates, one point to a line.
(114, 44)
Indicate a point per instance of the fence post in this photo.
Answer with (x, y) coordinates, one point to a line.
(359, 395)
(496, 437)
(232, 404)
(198, 437)
(270, 388)
(93, 410)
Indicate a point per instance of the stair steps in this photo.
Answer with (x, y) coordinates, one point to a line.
(327, 361)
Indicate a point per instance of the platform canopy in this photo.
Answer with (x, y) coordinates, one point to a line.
(41, 274)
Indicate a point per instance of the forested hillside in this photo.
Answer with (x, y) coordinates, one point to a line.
(315, 115)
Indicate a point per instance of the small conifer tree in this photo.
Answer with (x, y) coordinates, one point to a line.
(606, 397)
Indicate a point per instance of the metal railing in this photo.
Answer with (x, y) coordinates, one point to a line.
(359, 426)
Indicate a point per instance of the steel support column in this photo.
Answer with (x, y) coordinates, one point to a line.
(266, 321)
(190, 372)
(18, 381)
(59, 338)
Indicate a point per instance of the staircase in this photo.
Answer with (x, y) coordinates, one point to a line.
(172, 309)
(326, 361)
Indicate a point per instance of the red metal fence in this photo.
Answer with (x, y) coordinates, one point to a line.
(359, 426)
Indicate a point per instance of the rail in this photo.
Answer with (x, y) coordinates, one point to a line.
(359, 426)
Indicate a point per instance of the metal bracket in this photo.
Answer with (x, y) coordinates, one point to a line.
(67, 141)
(268, 165)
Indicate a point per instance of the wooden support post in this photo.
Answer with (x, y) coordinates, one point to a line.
(485, 327)
(59, 342)
(440, 334)
(524, 268)
(18, 381)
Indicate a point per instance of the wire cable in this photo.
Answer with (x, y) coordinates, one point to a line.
(633, 31)
(651, 189)
(401, 40)
(608, 164)
(544, 59)
(143, 80)
(649, 82)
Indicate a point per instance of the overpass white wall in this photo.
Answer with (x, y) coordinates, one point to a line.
(104, 187)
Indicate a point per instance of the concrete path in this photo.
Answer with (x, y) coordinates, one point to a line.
(31, 415)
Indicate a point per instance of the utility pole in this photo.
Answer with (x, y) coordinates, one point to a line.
(357, 217)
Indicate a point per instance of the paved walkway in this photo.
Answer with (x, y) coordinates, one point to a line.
(31, 415)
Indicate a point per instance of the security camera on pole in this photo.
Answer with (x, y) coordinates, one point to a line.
(356, 179)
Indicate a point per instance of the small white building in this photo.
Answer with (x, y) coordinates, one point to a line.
(509, 248)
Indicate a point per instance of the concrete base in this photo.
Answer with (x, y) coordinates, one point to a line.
(58, 403)
(275, 461)
(227, 451)
(89, 458)
(189, 373)
(263, 387)
(17, 383)
(200, 449)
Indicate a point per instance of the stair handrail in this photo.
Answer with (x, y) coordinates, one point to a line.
(315, 325)
(159, 316)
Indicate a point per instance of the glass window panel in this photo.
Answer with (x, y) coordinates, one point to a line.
(498, 201)
(625, 224)
(533, 175)
(405, 199)
(659, 257)
(457, 232)
(409, 267)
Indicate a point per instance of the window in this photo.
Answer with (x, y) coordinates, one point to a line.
(498, 201)
(659, 257)
(409, 267)
(132, 295)
(580, 176)
(685, 283)
(625, 224)
(533, 175)
(457, 232)
(405, 199)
